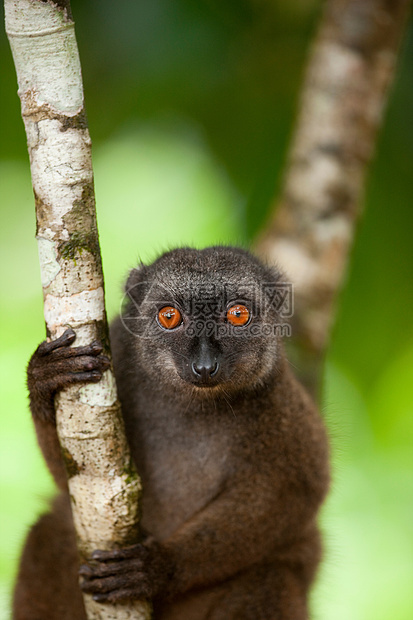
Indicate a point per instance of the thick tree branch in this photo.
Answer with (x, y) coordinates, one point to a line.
(345, 91)
(103, 484)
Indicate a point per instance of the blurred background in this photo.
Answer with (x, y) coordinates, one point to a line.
(190, 106)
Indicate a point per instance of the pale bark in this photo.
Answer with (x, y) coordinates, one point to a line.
(345, 90)
(103, 484)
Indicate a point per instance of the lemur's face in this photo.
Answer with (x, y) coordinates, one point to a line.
(208, 320)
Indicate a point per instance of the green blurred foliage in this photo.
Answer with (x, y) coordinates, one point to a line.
(190, 108)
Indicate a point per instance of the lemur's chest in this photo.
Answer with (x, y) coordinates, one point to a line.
(182, 468)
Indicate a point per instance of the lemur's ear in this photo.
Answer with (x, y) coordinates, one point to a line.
(277, 292)
(135, 284)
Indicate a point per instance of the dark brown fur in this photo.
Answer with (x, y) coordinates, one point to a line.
(234, 467)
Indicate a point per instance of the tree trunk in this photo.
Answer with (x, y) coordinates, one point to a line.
(345, 91)
(103, 484)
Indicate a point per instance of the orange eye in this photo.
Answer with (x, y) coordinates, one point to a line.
(238, 315)
(169, 317)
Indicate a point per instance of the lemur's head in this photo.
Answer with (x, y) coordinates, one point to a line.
(207, 319)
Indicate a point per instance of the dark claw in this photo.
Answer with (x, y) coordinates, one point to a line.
(85, 571)
(104, 556)
(109, 597)
(101, 364)
(105, 362)
(94, 376)
(91, 350)
(96, 347)
(64, 340)
(115, 596)
(118, 554)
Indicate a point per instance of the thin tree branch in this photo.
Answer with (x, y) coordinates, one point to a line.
(103, 484)
(345, 91)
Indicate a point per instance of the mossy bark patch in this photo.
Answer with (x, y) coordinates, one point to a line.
(79, 121)
(81, 220)
(82, 216)
(77, 243)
